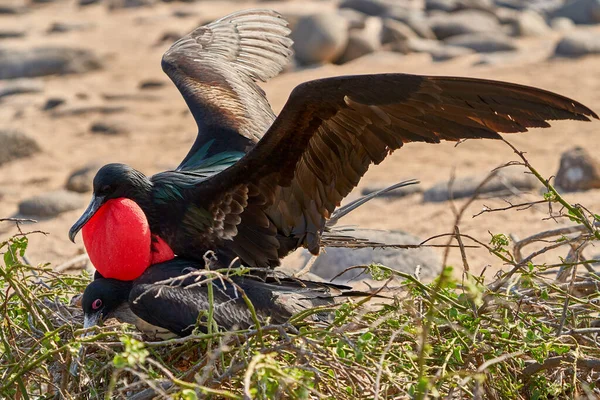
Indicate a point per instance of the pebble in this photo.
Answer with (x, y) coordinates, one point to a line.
(81, 180)
(505, 182)
(15, 144)
(578, 171)
(51, 204)
(41, 61)
(320, 38)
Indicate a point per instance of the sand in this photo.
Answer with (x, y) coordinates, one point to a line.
(162, 130)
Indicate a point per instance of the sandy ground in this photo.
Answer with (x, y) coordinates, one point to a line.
(163, 130)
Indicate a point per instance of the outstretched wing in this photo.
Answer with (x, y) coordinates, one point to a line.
(281, 193)
(216, 67)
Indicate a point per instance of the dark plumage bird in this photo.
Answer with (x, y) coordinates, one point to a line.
(166, 299)
(257, 187)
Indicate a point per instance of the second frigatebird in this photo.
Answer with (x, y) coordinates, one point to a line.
(168, 298)
(260, 202)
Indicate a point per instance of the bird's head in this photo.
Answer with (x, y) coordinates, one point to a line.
(102, 299)
(113, 181)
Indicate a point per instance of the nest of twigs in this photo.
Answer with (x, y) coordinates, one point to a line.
(530, 333)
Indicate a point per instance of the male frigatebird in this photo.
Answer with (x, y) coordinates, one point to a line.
(168, 298)
(261, 205)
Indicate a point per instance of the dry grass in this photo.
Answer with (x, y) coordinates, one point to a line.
(531, 333)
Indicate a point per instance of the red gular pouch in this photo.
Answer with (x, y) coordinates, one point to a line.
(161, 251)
(118, 240)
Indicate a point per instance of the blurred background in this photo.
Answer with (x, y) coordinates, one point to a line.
(81, 86)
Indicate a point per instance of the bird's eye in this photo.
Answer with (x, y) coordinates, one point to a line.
(105, 189)
(96, 304)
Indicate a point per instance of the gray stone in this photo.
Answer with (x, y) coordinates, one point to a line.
(378, 8)
(84, 3)
(393, 194)
(507, 181)
(356, 19)
(580, 11)
(81, 180)
(541, 6)
(420, 25)
(441, 5)
(578, 44)
(13, 7)
(530, 23)
(363, 41)
(151, 84)
(53, 102)
(562, 24)
(482, 42)
(438, 51)
(118, 4)
(63, 27)
(457, 5)
(320, 38)
(333, 261)
(20, 87)
(41, 61)
(16, 144)
(395, 31)
(91, 109)
(12, 33)
(463, 22)
(108, 128)
(51, 204)
(578, 171)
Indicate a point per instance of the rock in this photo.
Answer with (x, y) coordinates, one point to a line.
(356, 19)
(530, 23)
(562, 24)
(118, 4)
(185, 13)
(83, 110)
(457, 5)
(514, 58)
(482, 42)
(20, 87)
(463, 22)
(332, 261)
(395, 31)
(438, 51)
(578, 44)
(394, 194)
(579, 11)
(578, 171)
(441, 5)
(363, 41)
(505, 182)
(421, 27)
(12, 33)
(168, 37)
(108, 128)
(370, 7)
(320, 38)
(81, 180)
(151, 84)
(63, 27)
(51, 204)
(16, 144)
(84, 3)
(41, 61)
(13, 7)
(53, 102)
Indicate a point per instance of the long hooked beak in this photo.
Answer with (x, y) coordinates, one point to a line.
(89, 320)
(89, 212)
